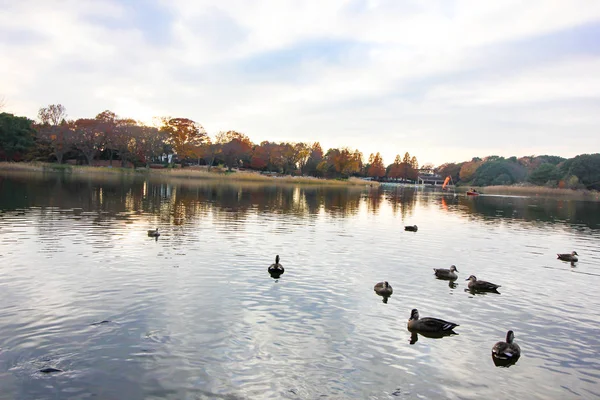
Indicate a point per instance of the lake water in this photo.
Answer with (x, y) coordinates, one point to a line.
(195, 315)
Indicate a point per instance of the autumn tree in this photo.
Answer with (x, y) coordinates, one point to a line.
(468, 169)
(107, 124)
(303, 152)
(260, 157)
(150, 143)
(289, 157)
(210, 152)
(394, 169)
(314, 159)
(235, 148)
(376, 167)
(55, 130)
(273, 155)
(404, 168)
(88, 137)
(185, 135)
(428, 167)
(414, 163)
(54, 114)
(344, 161)
(450, 169)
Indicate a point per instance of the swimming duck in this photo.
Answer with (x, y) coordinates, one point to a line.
(276, 268)
(428, 324)
(411, 228)
(153, 233)
(568, 257)
(383, 289)
(481, 286)
(443, 273)
(507, 350)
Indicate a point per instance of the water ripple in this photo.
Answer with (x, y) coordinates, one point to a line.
(194, 314)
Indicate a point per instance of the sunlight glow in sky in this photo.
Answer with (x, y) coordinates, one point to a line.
(445, 80)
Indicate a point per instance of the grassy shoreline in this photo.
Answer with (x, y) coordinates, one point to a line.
(179, 174)
(527, 190)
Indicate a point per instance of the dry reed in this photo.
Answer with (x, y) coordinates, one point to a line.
(179, 174)
(541, 191)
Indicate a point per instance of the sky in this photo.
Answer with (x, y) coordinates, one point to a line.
(445, 80)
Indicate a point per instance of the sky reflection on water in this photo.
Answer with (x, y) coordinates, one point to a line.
(196, 315)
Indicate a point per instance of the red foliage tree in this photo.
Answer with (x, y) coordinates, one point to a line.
(376, 167)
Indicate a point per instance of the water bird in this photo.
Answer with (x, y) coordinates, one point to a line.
(505, 354)
(443, 273)
(429, 325)
(276, 269)
(383, 289)
(153, 232)
(411, 228)
(507, 350)
(481, 286)
(568, 257)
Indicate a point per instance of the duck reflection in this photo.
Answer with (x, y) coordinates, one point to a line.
(476, 292)
(499, 362)
(414, 335)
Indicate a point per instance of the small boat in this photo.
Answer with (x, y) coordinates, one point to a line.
(472, 193)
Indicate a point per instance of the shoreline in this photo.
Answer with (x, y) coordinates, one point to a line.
(179, 174)
(537, 191)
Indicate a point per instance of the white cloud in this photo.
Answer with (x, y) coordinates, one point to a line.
(375, 75)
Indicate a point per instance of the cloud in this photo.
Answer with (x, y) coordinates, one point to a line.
(442, 80)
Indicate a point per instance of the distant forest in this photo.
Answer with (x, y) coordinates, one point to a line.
(126, 142)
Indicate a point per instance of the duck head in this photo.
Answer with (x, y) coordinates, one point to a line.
(453, 268)
(471, 278)
(386, 284)
(574, 253)
(414, 315)
(510, 336)
(277, 259)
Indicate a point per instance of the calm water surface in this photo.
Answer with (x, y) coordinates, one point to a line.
(195, 315)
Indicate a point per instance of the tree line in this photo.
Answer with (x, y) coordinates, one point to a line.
(55, 138)
(580, 172)
(107, 136)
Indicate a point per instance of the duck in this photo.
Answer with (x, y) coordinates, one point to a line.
(428, 324)
(411, 228)
(153, 232)
(568, 257)
(276, 268)
(443, 273)
(383, 289)
(507, 350)
(482, 286)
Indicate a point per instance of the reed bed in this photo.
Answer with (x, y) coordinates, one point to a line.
(181, 174)
(542, 191)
